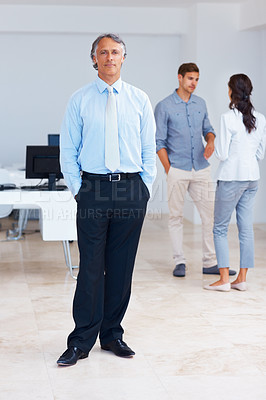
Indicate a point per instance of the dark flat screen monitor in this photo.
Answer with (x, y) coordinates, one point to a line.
(43, 162)
(53, 139)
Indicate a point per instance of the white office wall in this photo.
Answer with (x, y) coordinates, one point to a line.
(92, 19)
(260, 214)
(37, 74)
(253, 14)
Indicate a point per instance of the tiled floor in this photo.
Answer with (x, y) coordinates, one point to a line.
(189, 343)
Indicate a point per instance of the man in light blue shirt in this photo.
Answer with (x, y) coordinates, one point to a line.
(182, 122)
(111, 204)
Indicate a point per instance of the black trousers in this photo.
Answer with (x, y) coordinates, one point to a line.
(109, 221)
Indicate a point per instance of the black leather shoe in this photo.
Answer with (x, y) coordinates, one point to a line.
(71, 356)
(215, 271)
(180, 270)
(119, 348)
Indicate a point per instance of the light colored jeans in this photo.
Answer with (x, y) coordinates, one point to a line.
(230, 195)
(201, 189)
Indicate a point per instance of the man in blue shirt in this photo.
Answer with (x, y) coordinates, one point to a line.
(182, 121)
(111, 189)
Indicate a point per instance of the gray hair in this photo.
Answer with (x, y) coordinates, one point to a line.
(112, 36)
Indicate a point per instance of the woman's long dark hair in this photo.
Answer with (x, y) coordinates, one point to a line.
(241, 87)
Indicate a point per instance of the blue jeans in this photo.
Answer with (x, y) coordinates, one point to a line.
(230, 195)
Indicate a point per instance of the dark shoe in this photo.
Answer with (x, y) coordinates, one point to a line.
(119, 348)
(71, 356)
(180, 270)
(215, 271)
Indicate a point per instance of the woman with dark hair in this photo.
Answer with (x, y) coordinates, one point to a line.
(239, 146)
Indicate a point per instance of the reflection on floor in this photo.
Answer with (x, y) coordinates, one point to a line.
(189, 343)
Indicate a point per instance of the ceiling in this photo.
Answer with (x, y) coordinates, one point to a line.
(117, 3)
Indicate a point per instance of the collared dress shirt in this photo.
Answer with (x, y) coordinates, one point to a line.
(180, 129)
(238, 150)
(82, 138)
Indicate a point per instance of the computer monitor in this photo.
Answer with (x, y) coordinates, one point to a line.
(53, 139)
(43, 162)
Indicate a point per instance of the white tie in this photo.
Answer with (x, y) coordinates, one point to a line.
(112, 156)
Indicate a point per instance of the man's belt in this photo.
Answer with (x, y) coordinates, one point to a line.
(110, 177)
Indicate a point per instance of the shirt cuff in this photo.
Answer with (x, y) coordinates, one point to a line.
(75, 188)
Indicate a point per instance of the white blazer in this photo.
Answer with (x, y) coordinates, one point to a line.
(238, 150)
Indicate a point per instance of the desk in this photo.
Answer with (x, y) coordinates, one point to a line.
(57, 214)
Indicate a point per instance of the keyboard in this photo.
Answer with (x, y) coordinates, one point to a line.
(8, 186)
(43, 188)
